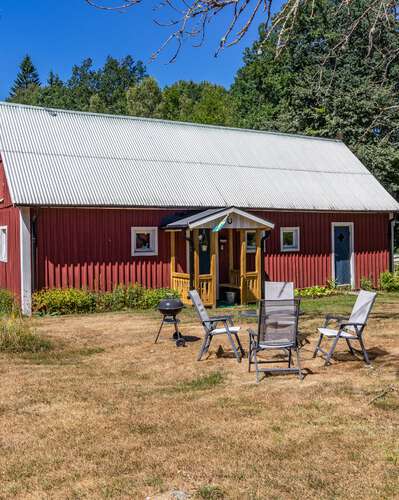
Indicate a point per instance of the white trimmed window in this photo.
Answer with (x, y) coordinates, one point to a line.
(3, 243)
(144, 241)
(251, 241)
(289, 238)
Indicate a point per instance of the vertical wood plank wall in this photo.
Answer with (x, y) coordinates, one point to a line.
(10, 271)
(92, 248)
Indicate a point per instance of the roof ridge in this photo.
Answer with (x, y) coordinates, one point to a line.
(168, 122)
(182, 162)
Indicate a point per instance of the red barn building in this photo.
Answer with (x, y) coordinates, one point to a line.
(93, 201)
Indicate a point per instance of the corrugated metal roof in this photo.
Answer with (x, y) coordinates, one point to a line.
(55, 157)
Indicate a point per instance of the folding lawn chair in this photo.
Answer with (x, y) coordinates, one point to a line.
(210, 324)
(279, 290)
(274, 290)
(349, 329)
(277, 330)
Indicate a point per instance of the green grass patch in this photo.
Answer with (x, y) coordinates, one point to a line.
(201, 383)
(17, 337)
(210, 492)
(388, 403)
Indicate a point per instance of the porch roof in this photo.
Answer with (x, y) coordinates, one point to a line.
(241, 220)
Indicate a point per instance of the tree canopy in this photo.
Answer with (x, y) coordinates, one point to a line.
(124, 87)
(354, 97)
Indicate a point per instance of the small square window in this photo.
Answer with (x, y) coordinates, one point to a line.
(144, 241)
(289, 239)
(251, 241)
(3, 243)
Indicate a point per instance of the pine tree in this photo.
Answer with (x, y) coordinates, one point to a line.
(26, 78)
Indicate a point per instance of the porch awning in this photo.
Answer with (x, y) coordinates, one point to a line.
(234, 219)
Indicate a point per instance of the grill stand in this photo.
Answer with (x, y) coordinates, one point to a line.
(177, 336)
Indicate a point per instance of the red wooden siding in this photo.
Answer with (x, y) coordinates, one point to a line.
(10, 271)
(92, 248)
(312, 264)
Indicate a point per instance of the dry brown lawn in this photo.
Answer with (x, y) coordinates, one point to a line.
(108, 414)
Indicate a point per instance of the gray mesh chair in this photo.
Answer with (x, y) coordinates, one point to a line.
(279, 290)
(274, 290)
(348, 329)
(277, 330)
(210, 323)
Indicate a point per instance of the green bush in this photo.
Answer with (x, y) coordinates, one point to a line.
(73, 301)
(7, 302)
(389, 282)
(366, 283)
(16, 336)
(63, 301)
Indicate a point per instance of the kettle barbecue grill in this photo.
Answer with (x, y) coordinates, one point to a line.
(170, 308)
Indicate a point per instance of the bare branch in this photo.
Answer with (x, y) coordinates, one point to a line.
(191, 18)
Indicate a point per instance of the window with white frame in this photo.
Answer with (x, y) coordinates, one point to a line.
(289, 237)
(144, 241)
(3, 243)
(251, 241)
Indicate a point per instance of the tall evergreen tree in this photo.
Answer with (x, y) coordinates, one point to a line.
(26, 78)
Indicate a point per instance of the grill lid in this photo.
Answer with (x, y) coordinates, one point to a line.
(170, 305)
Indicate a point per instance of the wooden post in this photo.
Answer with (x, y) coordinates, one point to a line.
(231, 251)
(243, 266)
(196, 259)
(258, 264)
(214, 243)
(172, 257)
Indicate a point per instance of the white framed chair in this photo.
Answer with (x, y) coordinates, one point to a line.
(348, 329)
(210, 323)
(279, 290)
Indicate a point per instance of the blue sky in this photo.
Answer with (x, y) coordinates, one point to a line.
(58, 34)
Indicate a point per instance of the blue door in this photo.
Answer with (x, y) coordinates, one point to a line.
(342, 255)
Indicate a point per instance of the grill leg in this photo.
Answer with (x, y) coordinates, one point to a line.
(159, 331)
(177, 331)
